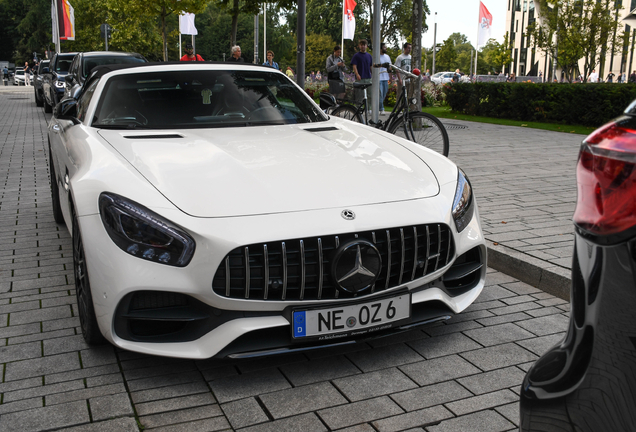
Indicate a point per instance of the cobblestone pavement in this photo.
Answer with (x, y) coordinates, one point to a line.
(462, 375)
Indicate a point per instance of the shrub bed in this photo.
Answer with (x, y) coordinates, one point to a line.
(576, 104)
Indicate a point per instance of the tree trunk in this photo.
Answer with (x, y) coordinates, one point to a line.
(163, 31)
(235, 15)
(415, 86)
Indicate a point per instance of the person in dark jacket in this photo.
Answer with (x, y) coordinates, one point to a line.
(236, 55)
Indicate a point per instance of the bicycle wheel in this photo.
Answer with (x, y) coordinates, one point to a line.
(347, 112)
(424, 129)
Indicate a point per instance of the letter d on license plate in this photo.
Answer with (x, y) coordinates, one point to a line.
(351, 319)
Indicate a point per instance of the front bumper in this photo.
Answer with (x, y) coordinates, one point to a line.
(198, 323)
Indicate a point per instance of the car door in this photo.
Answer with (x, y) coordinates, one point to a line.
(46, 80)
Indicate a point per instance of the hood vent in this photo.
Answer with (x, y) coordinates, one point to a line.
(322, 129)
(153, 136)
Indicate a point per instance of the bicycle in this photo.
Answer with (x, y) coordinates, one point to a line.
(420, 127)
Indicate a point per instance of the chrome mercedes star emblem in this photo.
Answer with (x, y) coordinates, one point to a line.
(358, 269)
(356, 266)
(348, 214)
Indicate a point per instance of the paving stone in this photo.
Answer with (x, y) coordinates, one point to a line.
(174, 404)
(64, 344)
(106, 407)
(98, 356)
(545, 325)
(384, 357)
(40, 336)
(298, 400)
(81, 373)
(208, 425)
(164, 381)
(158, 371)
(169, 392)
(540, 345)
(249, 384)
(86, 393)
(498, 334)
(42, 390)
(20, 352)
(181, 416)
(304, 422)
(429, 396)
(419, 418)
(373, 384)
(38, 315)
(499, 356)
(244, 412)
(319, 370)
(481, 402)
(40, 366)
(364, 427)
(21, 405)
(500, 319)
(544, 311)
(452, 328)
(359, 412)
(257, 364)
(46, 418)
(494, 380)
(439, 369)
(128, 424)
(444, 345)
(483, 421)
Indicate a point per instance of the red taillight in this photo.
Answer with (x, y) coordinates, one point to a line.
(606, 180)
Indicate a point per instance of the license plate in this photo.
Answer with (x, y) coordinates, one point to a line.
(350, 320)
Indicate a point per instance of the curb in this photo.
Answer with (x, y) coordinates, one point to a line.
(528, 269)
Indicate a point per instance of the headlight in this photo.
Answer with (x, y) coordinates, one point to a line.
(59, 84)
(143, 233)
(463, 207)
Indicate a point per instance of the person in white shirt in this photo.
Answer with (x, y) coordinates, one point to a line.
(593, 78)
(384, 76)
(403, 61)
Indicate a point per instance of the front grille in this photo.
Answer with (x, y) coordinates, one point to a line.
(300, 269)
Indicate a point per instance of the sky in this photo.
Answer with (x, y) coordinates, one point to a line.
(462, 16)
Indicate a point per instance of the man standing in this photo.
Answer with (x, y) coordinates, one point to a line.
(27, 74)
(632, 77)
(362, 63)
(189, 54)
(335, 72)
(593, 78)
(610, 77)
(236, 55)
(384, 76)
(403, 61)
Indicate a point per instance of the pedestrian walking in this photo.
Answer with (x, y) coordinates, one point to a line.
(610, 77)
(270, 60)
(236, 55)
(5, 76)
(384, 76)
(335, 73)
(189, 54)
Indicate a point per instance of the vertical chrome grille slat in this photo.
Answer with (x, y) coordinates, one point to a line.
(439, 245)
(302, 270)
(247, 272)
(403, 256)
(320, 270)
(227, 276)
(414, 253)
(388, 264)
(284, 270)
(428, 249)
(449, 246)
(374, 242)
(337, 242)
(266, 272)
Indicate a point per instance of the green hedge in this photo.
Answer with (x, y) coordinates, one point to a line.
(574, 104)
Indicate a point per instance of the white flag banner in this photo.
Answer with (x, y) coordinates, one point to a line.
(349, 22)
(485, 24)
(186, 24)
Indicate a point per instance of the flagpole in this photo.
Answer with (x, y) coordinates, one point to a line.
(57, 28)
(342, 33)
(180, 54)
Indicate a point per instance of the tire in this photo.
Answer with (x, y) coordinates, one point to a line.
(58, 216)
(424, 129)
(86, 310)
(38, 100)
(347, 112)
(47, 108)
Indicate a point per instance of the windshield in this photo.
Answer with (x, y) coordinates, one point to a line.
(92, 62)
(202, 99)
(63, 64)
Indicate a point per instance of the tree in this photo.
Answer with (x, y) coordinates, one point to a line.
(496, 55)
(574, 30)
(447, 56)
(318, 48)
(235, 8)
(396, 23)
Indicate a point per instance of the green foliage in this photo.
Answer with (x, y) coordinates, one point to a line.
(587, 105)
(495, 56)
(318, 48)
(447, 56)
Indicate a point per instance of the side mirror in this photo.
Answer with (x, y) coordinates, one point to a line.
(76, 90)
(66, 109)
(327, 100)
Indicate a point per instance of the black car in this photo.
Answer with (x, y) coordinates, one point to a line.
(37, 82)
(587, 383)
(53, 83)
(84, 62)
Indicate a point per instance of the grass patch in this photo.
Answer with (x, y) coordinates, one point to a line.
(445, 112)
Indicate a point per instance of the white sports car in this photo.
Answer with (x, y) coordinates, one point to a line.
(217, 211)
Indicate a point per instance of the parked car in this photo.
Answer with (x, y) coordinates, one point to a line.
(37, 82)
(84, 62)
(53, 83)
(442, 77)
(587, 383)
(216, 210)
(19, 77)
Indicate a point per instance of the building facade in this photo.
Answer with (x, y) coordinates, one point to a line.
(529, 60)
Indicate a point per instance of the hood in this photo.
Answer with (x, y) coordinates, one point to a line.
(274, 169)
